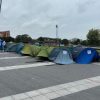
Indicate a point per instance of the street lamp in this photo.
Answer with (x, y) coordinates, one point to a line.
(57, 37)
(0, 4)
(56, 31)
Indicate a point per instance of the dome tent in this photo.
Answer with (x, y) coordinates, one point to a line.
(49, 49)
(64, 57)
(35, 50)
(76, 50)
(8, 44)
(54, 53)
(43, 52)
(61, 56)
(11, 47)
(19, 47)
(26, 50)
(15, 47)
(86, 56)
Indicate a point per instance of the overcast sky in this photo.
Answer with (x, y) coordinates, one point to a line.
(39, 17)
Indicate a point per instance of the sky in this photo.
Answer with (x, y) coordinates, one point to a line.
(40, 17)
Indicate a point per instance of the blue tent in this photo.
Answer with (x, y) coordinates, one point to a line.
(19, 47)
(54, 54)
(86, 56)
(76, 51)
(11, 48)
(15, 48)
(61, 56)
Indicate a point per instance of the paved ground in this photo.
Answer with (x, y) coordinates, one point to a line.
(46, 76)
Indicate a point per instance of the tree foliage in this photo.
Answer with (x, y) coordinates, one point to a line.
(8, 39)
(65, 42)
(93, 37)
(23, 38)
(76, 41)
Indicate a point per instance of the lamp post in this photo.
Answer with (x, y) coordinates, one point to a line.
(56, 34)
(56, 31)
(57, 37)
(0, 4)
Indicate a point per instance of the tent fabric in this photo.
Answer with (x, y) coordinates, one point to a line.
(26, 50)
(35, 50)
(43, 52)
(11, 47)
(86, 56)
(49, 49)
(19, 47)
(15, 47)
(54, 53)
(7, 45)
(61, 56)
(76, 51)
(64, 57)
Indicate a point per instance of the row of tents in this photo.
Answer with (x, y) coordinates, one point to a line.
(59, 55)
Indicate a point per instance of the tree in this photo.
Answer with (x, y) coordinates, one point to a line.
(8, 39)
(23, 38)
(41, 40)
(84, 42)
(18, 38)
(93, 37)
(65, 42)
(76, 41)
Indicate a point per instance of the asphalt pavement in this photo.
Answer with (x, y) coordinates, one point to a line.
(23, 80)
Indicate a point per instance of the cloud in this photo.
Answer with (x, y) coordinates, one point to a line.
(39, 17)
(84, 5)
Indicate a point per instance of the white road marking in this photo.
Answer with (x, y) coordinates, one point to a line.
(4, 58)
(25, 66)
(2, 53)
(98, 63)
(54, 92)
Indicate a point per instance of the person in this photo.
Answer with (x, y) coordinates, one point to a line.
(3, 45)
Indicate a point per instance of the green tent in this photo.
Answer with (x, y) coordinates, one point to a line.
(35, 50)
(26, 50)
(43, 52)
(49, 49)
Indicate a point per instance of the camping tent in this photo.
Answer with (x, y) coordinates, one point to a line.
(35, 50)
(86, 56)
(49, 50)
(11, 47)
(19, 47)
(43, 52)
(61, 56)
(64, 57)
(15, 47)
(54, 53)
(26, 50)
(76, 50)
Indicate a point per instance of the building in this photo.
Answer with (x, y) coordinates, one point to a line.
(5, 34)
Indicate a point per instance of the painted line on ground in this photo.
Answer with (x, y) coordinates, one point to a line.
(25, 66)
(4, 53)
(98, 63)
(4, 58)
(57, 91)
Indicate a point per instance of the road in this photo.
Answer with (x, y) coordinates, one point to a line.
(24, 78)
